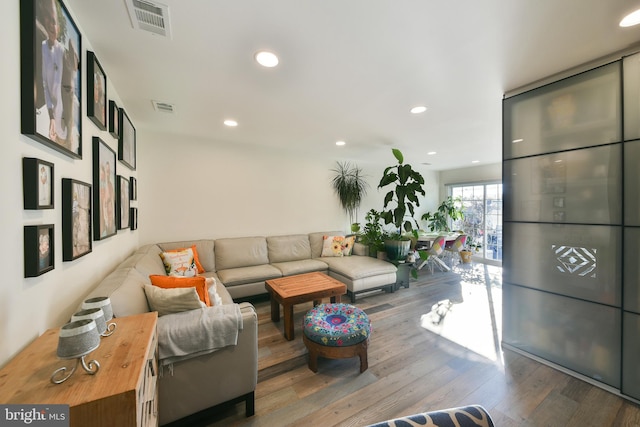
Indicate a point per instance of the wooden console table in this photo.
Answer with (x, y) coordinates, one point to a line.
(122, 393)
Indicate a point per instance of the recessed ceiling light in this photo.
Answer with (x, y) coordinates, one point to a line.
(266, 59)
(418, 109)
(340, 143)
(431, 153)
(231, 123)
(631, 19)
(475, 161)
(515, 141)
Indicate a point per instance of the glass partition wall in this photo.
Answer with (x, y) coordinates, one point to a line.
(571, 255)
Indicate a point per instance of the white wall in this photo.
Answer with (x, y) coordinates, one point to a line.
(483, 173)
(192, 188)
(30, 306)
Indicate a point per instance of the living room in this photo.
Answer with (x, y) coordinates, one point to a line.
(208, 185)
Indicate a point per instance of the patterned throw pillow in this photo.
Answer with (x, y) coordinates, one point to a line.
(195, 257)
(337, 246)
(347, 246)
(180, 263)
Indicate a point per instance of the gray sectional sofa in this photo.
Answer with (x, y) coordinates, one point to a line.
(240, 267)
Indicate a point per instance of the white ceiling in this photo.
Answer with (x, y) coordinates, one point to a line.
(349, 69)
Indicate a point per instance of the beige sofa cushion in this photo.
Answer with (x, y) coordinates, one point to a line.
(244, 275)
(315, 240)
(288, 248)
(299, 267)
(358, 267)
(146, 260)
(204, 247)
(240, 252)
(125, 288)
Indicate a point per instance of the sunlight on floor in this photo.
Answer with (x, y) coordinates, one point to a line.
(473, 319)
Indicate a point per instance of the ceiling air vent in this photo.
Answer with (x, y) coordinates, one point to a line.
(165, 107)
(149, 16)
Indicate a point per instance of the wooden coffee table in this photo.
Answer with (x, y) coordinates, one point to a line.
(300, 288)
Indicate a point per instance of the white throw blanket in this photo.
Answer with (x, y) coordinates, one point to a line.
(195, 332)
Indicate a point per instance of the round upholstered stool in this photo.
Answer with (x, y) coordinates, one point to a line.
(336, 331)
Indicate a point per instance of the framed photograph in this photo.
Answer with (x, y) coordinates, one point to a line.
(50, 89)
(123, 203)
(127, 142)
(76, 219)
(104, 200)
(96, 92)
(38, 249)
(133, 188)
(37, 183)
(114, 119)
(133, 217)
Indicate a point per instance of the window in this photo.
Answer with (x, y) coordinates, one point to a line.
(482, 205)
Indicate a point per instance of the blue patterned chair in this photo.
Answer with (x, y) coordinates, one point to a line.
(464, 416)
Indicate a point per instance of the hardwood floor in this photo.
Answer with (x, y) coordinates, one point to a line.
(433, 346)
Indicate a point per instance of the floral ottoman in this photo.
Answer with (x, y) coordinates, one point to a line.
(336, 331)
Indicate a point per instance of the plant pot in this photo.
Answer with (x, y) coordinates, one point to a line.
(397, 250)
(465, 256)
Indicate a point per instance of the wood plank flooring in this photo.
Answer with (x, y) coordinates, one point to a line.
(433, 346)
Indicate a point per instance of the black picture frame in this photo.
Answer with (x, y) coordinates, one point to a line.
(50, 84)
(96, 92)
(114, 119)
(123, 203)
(133, 218)
(76, 219)
(127, 141)
(133, 188)
(104, 190)
(39, 249)
(37, 183)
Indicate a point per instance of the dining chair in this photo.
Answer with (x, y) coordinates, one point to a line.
(454, 249)
(436, 249)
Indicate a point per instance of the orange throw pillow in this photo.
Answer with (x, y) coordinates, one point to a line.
(195, 257)
(199, 283)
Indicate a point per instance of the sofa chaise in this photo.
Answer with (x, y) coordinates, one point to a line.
(197, 382)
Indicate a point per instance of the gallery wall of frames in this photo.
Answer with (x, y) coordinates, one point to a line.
(52, 103)
(571, 249)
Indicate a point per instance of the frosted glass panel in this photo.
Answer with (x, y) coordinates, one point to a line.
(580, 186)
(631, 68)
(580, 111)
(578, 335)
(632, 269)
(632, 183)
(631, 356)
(575, 260)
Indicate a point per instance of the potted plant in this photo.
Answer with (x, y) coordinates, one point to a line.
(400, 203)
(372, 235)
(470, 247)
(450, 208)
(350, 186)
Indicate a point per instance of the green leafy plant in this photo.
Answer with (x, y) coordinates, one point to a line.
(350, 186)
(373, 235)
(450, 208)
(401, 201)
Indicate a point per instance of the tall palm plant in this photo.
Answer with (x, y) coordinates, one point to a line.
(350, 186)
